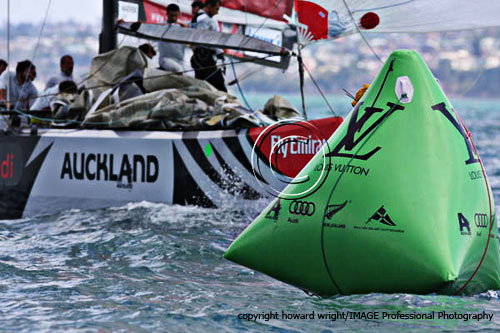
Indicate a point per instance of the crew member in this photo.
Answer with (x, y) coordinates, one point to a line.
(66, 74)
(45, 99)
(196, 6)
(22, 92)
(172, 54)
(203, 60)
(3, 66)
(148, 50)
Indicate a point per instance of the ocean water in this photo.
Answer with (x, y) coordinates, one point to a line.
(148, 267)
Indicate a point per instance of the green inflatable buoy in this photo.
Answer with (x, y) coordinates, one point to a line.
(397, 201)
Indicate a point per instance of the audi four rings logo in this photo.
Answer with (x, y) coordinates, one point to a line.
(481, 220)
(306, 208)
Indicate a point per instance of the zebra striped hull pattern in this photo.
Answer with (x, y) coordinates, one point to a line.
(87, 169)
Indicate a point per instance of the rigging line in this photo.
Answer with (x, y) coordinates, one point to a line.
(249, 72)
(320, 91)
(478, 76)
(168, 26)
(8, 55)
(8, 36)
(360, 32)
(176, 73)
(245, 42)
(383, 7)
(216, 67)
(82, 122)
(246, 14)
(301, 82)
(35, 51)
(101, 67)
(383, 118)
(150, 78)
(489, 201)
(8, 45)
(239, 87)
(348, 94)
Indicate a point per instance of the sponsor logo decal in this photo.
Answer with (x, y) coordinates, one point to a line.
(7, 167)
(382, 216)
(343, 168)
(331, 210)
(481, 220)
(305, 208)
(475, 175)
(11, 164)
(463, 224)
(441, 107)
(128, 12)
(126, 186)
(274, 212)
(110, 167)
(350, 142)
(334, 225)
(295, 145)
(276, 145)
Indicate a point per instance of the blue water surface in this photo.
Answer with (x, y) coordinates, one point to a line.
(149, 267)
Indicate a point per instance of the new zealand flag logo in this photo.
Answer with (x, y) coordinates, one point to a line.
(334, 209)
(382, 216)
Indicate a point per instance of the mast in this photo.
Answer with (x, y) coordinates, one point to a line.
(301, 81)
(107, 37)
(8, 51)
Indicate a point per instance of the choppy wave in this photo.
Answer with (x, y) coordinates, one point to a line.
(154, 267)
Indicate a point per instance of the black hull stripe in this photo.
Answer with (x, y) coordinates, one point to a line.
(235, 147)
(261, 157)
(198, 155)
(186, 190)
(245, 190)
(13, 199)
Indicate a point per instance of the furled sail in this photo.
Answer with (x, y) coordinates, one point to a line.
(330, 19)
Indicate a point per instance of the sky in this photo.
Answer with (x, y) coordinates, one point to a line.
(85, 11)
